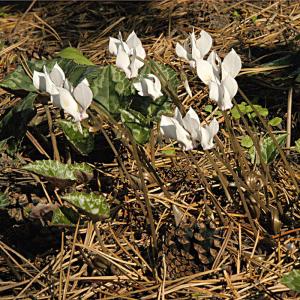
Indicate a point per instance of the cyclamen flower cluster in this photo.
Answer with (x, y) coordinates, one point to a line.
(218, 75)
(74, 101)
(129, 59)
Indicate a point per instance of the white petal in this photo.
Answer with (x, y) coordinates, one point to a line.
(135, 65)
(123, 62)
(68, 104)
(83, 95)
(205, 71)
(191, 123)
(149, 86)
(207, 134)
(196, 55)
(133, 42)
(50, 86)
(113, 45)
(178, 116)
(68, 85)
(170, 128)
(57, 75)
(204, 43)
(231, 64)
(230, 88)
(181, 51)
(215, 91)
(39, 81)
(215, 61)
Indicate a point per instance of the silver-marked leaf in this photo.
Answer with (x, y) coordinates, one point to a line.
(18, 80)
(82, 142)
(93, 205)
(59, 174)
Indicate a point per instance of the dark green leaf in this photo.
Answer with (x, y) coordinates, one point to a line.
(61, 174)
(18, 80)
(93, 204)
(292, 280)
(74, 54)
(137, 124)
(13, 125)
(65, 215)
(82, 142)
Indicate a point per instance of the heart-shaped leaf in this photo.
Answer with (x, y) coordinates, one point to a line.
(82, 142)
(94, 205)
(60, 174)
(18, 80)
(247, 141)
(74, 54)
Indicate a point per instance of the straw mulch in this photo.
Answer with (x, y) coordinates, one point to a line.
(111, 259)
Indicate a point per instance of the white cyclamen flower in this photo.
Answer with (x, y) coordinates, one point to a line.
(128, 53)
(149, 86)
(73, 101)
(187, 130)
(219, 76)
(197, 49)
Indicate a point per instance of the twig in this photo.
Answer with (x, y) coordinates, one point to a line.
(289, 120)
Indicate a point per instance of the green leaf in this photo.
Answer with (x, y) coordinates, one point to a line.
(110, 86)
(92, 204)
(292, 280)
(261, 110)
(297, 145)
(74, 54)
(235, 113)
(13, 125)
(275, 121)
(4, 201)
(82, 142)
(208, 108)
(18, 80)
(138, 125)
(61, 174)
(269, 150)
(247, 141)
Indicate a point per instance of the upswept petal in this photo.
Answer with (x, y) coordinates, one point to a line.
(170, 128)
(191, 123)
(181, 51)
(149, 86)
(230, 88)
(215, 61)
(178, 116)
(50, 86)
(83, 95)
(187, 87)
(68, 85)
(215, 91)
(68, 104)
(113, 46)
(135, 65)
(135, 43)
(207, 134)
(205, 71)
(123, 62)
(39, 81)
(57, 75)
(204, 43)
(231, 64)
(196, 55)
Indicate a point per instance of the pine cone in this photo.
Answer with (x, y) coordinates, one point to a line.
(190, 247)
